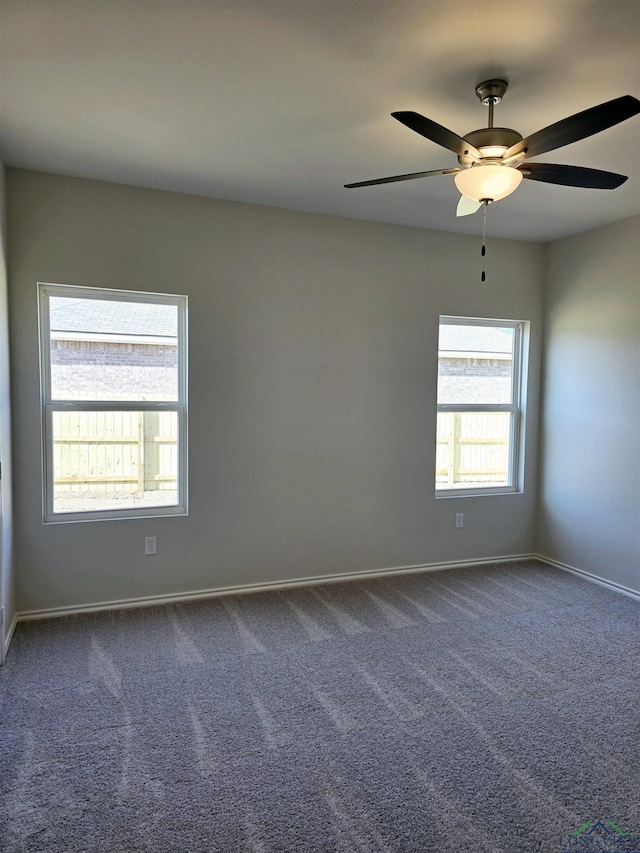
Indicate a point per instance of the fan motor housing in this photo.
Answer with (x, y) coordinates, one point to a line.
(490, 137)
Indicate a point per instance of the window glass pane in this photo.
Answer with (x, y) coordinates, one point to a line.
(114, 460)
(473, 450)
(475, 364)
(107, 350)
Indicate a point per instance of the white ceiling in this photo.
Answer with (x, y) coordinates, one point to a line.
(281, 102)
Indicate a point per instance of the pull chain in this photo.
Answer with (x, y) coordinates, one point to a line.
(484, 238)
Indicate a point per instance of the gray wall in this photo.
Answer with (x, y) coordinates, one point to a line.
(7, 597)
(590, 462)
(313, 361)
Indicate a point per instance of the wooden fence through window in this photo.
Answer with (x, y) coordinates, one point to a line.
(472, 449)
(115, 451)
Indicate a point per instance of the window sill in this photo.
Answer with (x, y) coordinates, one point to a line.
(107, 515)
(442, 494)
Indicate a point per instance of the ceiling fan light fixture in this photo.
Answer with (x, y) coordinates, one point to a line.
(488, 182)
(495, 151)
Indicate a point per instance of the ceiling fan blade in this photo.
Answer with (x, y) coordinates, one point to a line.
(576, 127)
(436, 133)
(571, 176)
(410, 177)
(467, 206)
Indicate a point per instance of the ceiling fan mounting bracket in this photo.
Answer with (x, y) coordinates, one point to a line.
(491, 91)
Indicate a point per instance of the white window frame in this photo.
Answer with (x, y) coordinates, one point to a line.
(514, 408)
(49, 406)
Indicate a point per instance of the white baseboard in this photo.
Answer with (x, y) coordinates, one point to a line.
(269, 586)
(612, 585)
(7, 638)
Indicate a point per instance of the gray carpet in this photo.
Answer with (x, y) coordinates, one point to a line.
(490, 708)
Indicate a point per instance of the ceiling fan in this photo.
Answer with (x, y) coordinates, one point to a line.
(492, 160)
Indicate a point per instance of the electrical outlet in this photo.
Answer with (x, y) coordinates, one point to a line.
(150, 545)
(459, 519)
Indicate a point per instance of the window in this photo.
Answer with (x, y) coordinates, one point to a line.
(114, 403)
(479, 388)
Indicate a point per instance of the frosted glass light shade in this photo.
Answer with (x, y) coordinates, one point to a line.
(488, 182)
